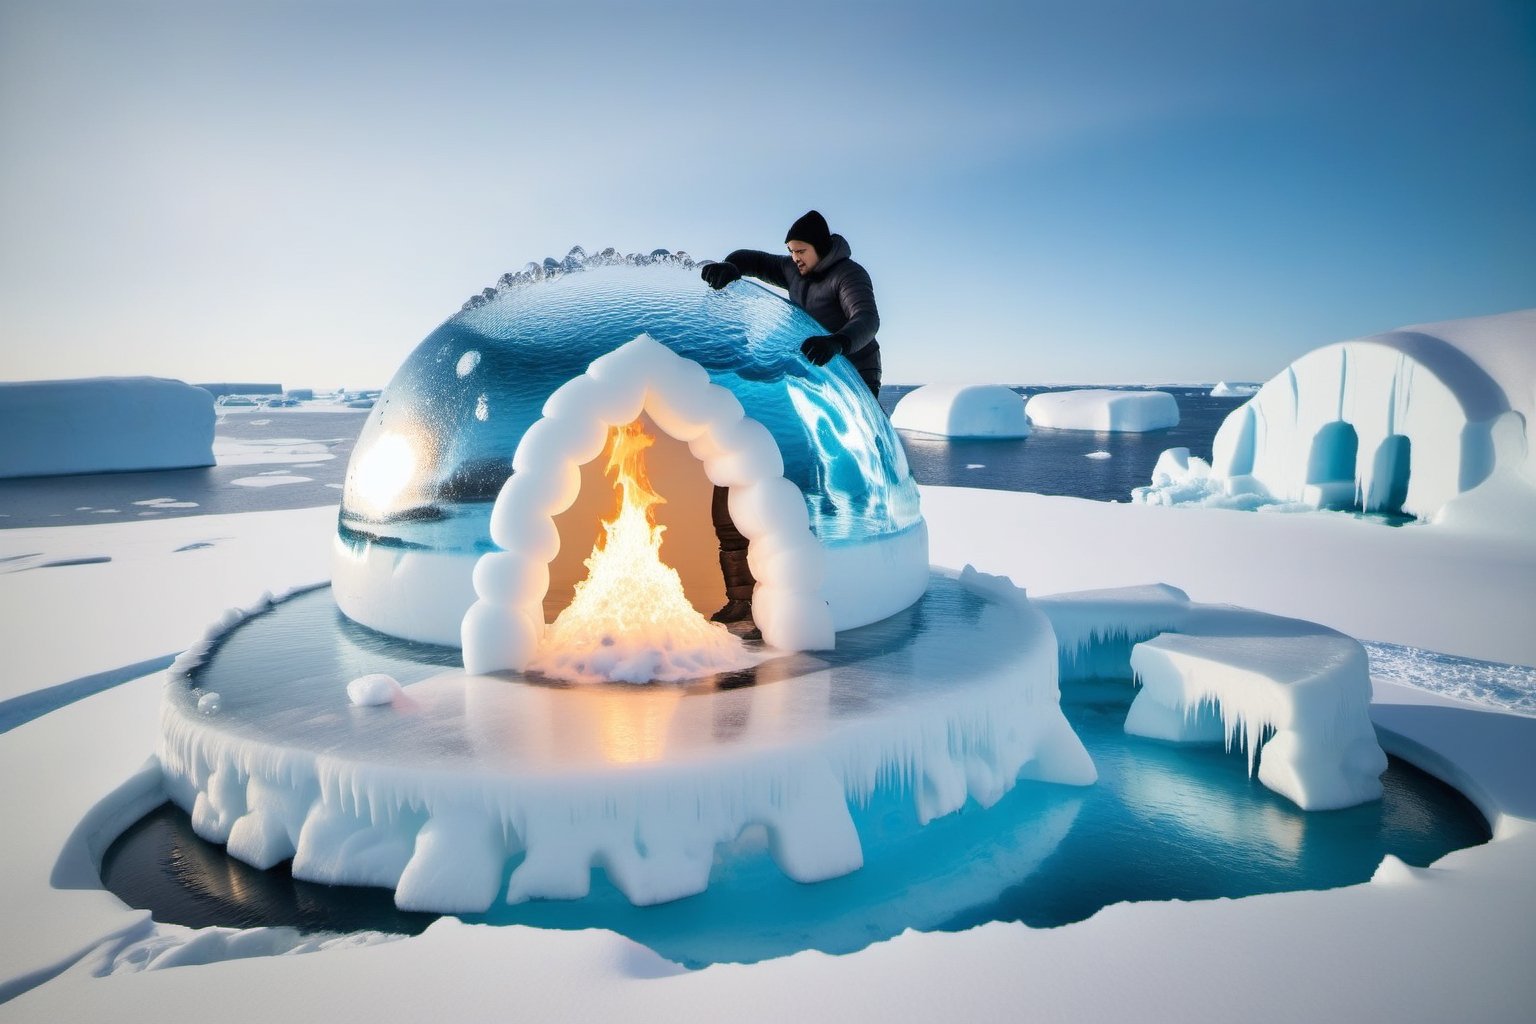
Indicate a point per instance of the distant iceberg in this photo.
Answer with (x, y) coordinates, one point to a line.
(1225, 390)
(1104, 409)
(962, 411)
(103, 425)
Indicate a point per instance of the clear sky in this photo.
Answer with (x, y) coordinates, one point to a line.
(1091, 191)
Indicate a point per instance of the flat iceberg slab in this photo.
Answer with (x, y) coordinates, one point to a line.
(1104, 409)
(1238, 675)
(1215, 673)
(964, 411)
(465, 788)
(103, 425)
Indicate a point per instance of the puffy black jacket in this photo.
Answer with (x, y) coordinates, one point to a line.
(837, 294)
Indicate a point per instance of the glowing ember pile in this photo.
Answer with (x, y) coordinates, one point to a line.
(629, 620)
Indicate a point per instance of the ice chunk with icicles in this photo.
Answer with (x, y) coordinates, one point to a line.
(1293, 695)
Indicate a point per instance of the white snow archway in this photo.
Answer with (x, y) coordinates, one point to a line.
(502, 629)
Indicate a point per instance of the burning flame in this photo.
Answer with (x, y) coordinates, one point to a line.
(629, 620)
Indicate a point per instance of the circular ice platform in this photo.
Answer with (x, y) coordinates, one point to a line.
(466, 786)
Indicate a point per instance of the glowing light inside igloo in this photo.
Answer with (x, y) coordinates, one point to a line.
(629, 619)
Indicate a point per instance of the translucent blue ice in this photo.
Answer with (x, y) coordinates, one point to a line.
(467, 394)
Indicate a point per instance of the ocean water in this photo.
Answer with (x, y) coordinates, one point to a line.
(1101, 465)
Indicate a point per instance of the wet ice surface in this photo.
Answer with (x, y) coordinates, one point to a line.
(303, 452)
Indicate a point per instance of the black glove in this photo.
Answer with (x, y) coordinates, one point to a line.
(821, 348)
(718, 275)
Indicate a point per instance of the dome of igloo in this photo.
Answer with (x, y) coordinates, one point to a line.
(438, 444)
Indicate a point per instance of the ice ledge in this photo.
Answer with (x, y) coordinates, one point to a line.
(444, 835)
(1294, 695)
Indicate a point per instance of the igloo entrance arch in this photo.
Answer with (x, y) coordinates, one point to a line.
(503, 628)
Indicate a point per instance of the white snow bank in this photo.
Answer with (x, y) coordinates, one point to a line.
(1401, 422)
(152, 593)
(1225, 390)
(103, 425)
(963, 411)
(1429, 588)
(1104, 409)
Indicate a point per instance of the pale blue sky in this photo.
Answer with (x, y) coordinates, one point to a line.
(1075, 191)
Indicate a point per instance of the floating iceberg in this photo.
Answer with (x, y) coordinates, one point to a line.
(1104, 409)
(963, 411)
(1225, 390)
(103, 425)
(1428, 421)
(416, 511)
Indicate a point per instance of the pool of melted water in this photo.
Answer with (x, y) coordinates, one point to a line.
(1163, 822)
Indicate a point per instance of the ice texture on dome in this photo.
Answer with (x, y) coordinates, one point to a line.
(439, 442)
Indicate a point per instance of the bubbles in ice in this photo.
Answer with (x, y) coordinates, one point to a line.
(467, 362)
(482, 409)
(208, 703)
(574, 262)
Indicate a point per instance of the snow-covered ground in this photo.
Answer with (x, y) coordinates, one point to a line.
(1452, 941)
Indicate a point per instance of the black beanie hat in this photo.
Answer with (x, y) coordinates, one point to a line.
(811, 229)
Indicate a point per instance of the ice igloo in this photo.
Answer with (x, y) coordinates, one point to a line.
(444, 439)
(1403, 422)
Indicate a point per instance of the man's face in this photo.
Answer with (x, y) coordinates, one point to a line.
(804, 255)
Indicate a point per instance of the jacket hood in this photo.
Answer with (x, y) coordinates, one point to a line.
(833, 256)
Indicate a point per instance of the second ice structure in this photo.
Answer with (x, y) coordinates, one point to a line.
(523, 687)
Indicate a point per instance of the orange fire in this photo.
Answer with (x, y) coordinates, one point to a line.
(629, 619)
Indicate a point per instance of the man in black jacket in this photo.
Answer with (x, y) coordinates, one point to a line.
(824, 281)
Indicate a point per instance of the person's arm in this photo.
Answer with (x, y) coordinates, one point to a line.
(764, 266)
(856, 294)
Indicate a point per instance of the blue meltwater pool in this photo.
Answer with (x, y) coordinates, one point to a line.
(1162, 822)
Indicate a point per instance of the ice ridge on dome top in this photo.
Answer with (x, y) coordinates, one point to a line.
(576, 261)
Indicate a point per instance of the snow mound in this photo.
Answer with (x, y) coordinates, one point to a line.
(103, 425)
(964, 411)
(1104, 409)
(1428, 421)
